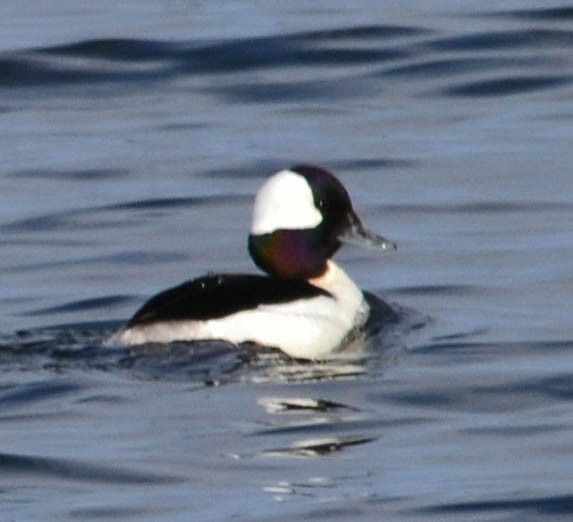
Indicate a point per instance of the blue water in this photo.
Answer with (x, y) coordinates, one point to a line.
(133, 138)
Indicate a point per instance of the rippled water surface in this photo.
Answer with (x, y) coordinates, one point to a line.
(133, 137)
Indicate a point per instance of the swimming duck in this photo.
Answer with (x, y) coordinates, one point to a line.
(306, 305)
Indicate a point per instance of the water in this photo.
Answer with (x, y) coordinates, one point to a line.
(133, 138)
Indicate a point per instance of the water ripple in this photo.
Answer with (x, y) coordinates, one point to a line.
(74, 471)
(556, 14)
(522, 38)
(507, 86)
(82, 305)
(15, 396)
(448, 67)
(318, 62)
(546, 505)
(100, 216)
(135, 60)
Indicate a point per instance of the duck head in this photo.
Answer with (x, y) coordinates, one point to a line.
(301, 217)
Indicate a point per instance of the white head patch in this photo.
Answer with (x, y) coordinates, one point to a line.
(284, 201)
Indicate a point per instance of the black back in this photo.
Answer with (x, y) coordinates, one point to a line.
(217, 296)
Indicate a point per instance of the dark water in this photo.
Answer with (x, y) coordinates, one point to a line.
(133, 137)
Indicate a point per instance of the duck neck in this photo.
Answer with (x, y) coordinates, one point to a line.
(291, 254)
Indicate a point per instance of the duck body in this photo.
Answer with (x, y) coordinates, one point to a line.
(303, 319)
(306, 306)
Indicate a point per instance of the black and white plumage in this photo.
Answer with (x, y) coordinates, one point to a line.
(306, 306)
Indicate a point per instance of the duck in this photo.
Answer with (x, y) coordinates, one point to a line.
(305, 304)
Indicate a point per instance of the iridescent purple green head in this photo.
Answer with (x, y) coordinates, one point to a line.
(301, 217)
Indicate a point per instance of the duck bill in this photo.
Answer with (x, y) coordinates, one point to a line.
(359, 236)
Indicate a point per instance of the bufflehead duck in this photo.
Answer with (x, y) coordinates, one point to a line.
(306, 305)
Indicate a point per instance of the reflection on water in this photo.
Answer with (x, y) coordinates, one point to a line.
(307, 418)
(130, 157)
